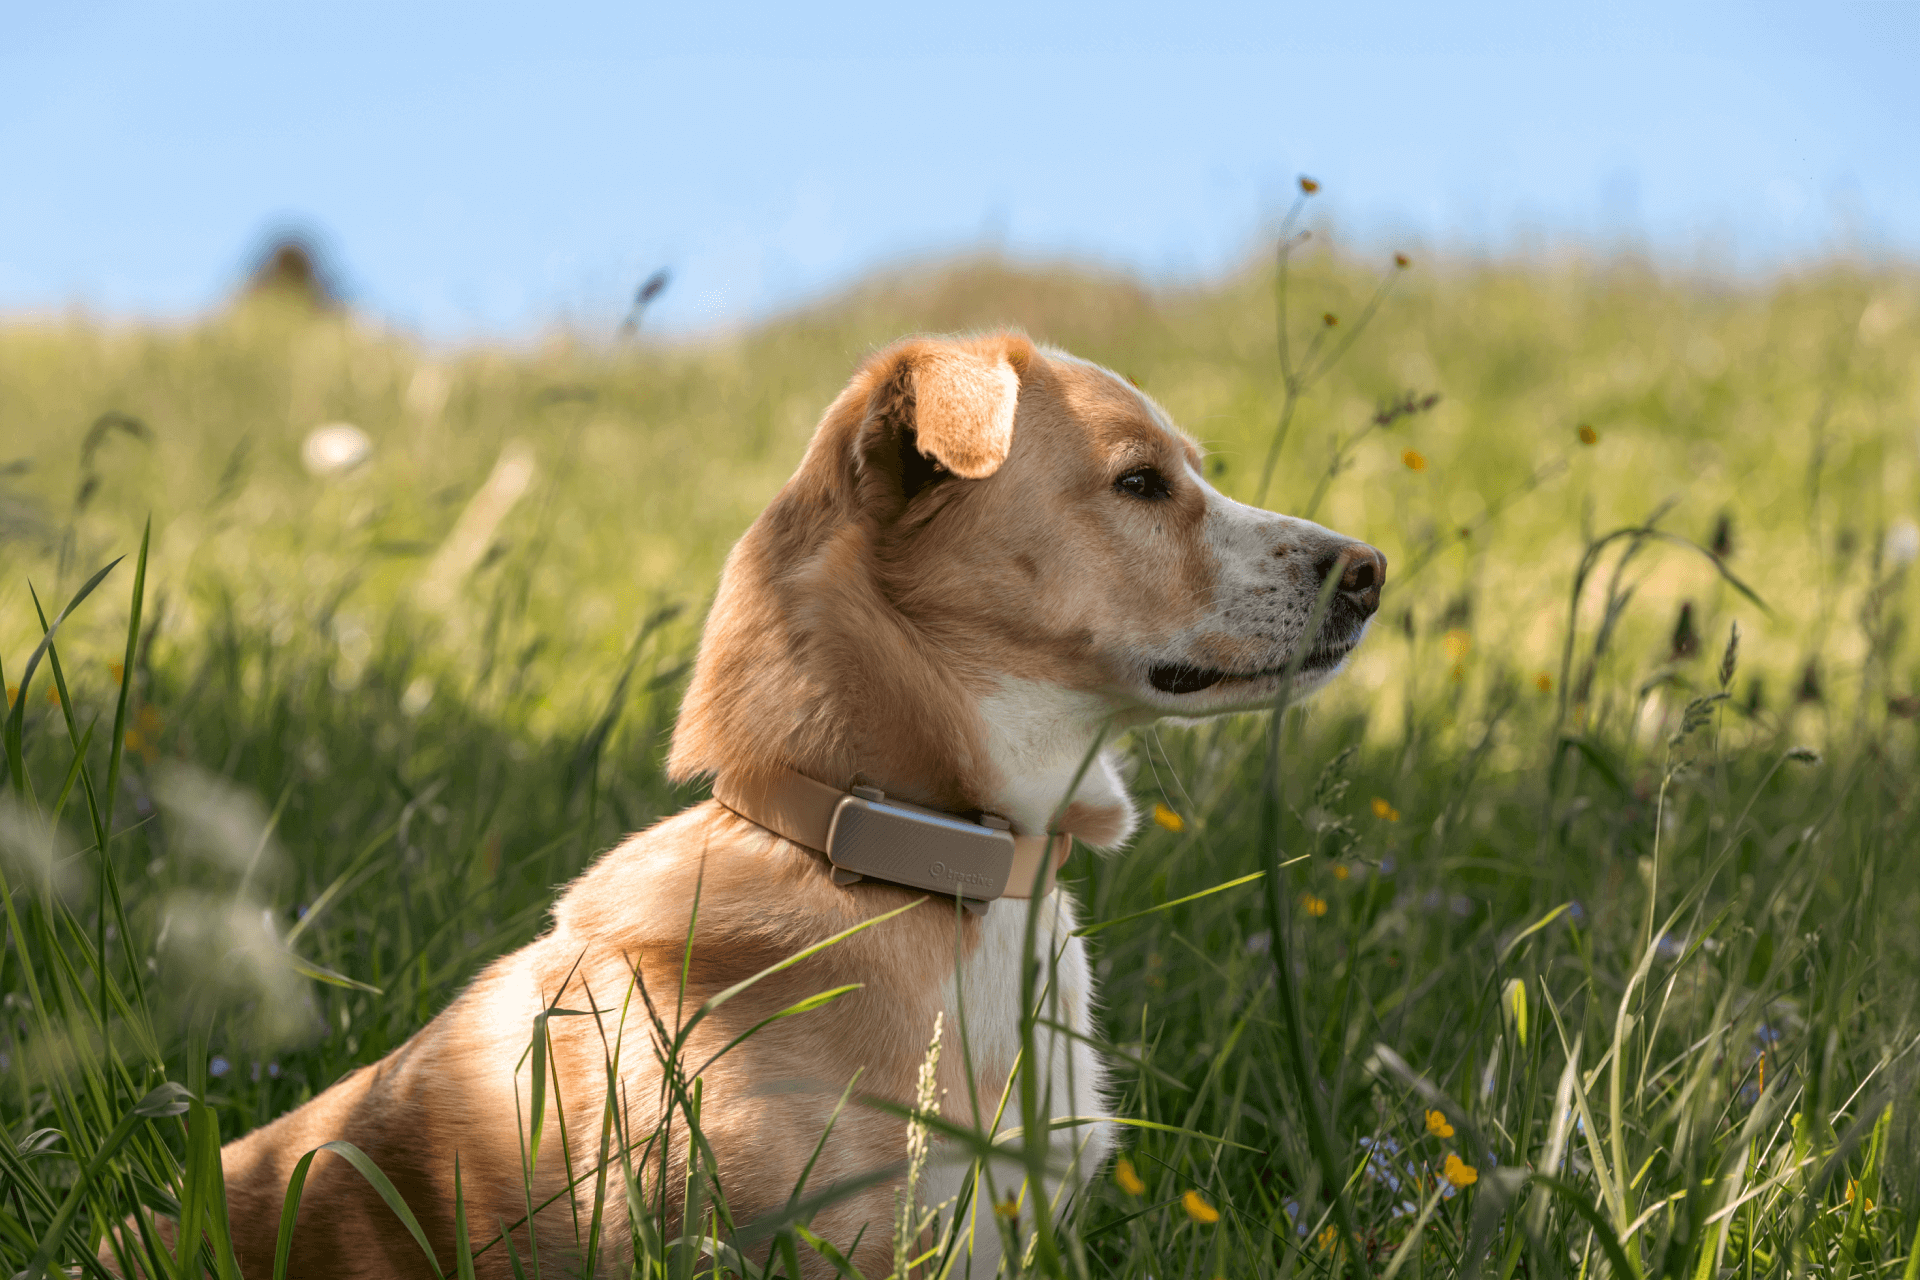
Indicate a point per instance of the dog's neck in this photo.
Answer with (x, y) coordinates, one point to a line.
(815, 670)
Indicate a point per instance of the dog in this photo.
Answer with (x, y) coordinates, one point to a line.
(993, 557)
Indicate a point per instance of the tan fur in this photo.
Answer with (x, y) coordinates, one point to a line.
(950, 600)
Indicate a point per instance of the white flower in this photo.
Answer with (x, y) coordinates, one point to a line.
(334, 449)
(1902, 547)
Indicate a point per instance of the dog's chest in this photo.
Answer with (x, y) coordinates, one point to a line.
(988, 997)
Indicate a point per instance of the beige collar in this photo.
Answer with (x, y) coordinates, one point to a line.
(867, 835)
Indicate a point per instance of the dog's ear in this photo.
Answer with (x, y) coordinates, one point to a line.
(938, 410)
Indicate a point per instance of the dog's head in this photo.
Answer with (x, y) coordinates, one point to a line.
(984, 530)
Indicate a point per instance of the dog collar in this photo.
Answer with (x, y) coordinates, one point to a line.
(867, 836)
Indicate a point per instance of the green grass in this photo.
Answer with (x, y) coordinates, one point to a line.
(1579, 921)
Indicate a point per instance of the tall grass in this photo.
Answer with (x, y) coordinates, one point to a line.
(1565, 937)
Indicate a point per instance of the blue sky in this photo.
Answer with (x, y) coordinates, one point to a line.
(485, 170)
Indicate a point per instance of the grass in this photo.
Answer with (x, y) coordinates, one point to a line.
(1561, 890)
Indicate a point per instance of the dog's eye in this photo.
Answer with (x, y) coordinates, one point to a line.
(1144, 482)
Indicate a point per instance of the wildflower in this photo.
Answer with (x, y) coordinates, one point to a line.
(1902, 545)
(1588, 435)
(1458, 643)
(1008, 1208)
(1168, 818)
(53, 695)
(335, 449)
(1123, 1173)
(1341, 873)
(1437, 1125)
(1307, 185)
(1402, 261)
(1329, 319)
(1458, 1172)
(1415, 460)
(13, 694)
(119, 672)
(1851, 1188)
(1199, 1210)
(1384, 811)
(1543, 682)
(1313, 904)
(1328, 1238)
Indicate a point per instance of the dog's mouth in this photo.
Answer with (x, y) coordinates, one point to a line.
(1183, 677)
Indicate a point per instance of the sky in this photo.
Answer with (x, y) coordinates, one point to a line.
(479, 170)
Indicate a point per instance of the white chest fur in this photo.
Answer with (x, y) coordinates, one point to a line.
(985, 999)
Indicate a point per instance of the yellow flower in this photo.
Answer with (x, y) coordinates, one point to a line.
(1543, 682)
(1384, 811)
(1415, 460)
(1008, 1208)
(1851, 1188)
(1199, 1210)
(1168, 818)
(1341, 872)
(1437, 1124)
(1328, 1238)
(1315, 906)
(1307, 185)
(1458, 644)
(1129, 1180)
(1458, 1171)
(13, 694)
(117, 670)
(1588, 435)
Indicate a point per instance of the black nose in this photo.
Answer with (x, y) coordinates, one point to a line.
(1362, 570)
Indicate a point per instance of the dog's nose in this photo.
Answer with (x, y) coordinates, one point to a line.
(1362, 570)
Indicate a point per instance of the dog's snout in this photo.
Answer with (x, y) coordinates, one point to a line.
(1362, 570)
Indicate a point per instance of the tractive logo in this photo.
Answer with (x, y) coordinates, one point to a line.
(941, 871)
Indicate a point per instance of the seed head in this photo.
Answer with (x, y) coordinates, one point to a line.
(1686, 641)
(1721, 544)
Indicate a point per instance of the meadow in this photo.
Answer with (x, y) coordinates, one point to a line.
(1563, 936)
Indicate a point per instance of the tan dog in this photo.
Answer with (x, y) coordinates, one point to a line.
(990, 555)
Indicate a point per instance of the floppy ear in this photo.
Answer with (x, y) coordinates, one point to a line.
(937, 410)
